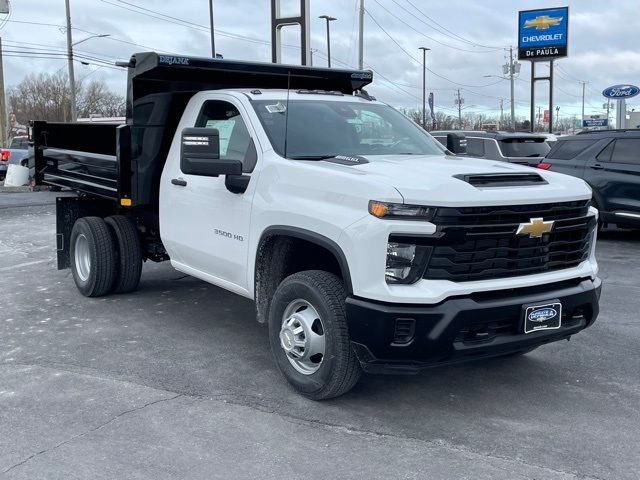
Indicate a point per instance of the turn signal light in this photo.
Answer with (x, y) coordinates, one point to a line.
(378, 209)
(125, 202)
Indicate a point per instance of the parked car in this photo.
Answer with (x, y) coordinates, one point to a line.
(18, 151)
(4, 163)
(609, 161)
(364, 243)
(513, 147)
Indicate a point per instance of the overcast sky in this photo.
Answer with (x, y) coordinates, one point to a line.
(468, 39)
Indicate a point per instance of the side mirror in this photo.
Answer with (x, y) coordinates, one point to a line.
(457, 143)
(200, 154)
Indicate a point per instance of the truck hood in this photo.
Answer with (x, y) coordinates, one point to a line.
(439, 180)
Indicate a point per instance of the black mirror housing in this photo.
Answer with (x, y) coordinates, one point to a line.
(200, 154)
(457, 143)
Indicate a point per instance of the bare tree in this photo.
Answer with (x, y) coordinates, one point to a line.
(46, 97)
(96, 99)
(40, 97)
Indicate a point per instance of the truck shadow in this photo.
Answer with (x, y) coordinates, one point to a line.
(206, 341)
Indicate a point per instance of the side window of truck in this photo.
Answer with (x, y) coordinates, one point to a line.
(235, 141)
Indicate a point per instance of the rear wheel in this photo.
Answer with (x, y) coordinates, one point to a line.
(92, 256)
(128, 254)
(309, 336)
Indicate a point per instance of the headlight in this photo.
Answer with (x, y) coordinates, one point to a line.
(400, 210)
(405, 262)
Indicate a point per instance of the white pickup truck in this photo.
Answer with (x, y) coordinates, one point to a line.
(365, 244)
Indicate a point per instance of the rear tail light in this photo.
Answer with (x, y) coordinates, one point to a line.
(544, 165)
(4, 155)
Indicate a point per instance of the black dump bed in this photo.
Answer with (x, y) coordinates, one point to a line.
(124, 162)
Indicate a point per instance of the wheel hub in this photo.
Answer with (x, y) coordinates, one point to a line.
(82, 257)
(302, 336)
(286, 339)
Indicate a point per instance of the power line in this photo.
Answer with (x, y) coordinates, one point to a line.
(475, 44)
(416, 60)
(427, 36)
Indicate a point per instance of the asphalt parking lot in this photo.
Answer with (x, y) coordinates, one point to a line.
(176, 381)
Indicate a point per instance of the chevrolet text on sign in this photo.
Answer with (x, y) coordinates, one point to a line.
(542, 34)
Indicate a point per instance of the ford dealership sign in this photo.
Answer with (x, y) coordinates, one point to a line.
(619, 92)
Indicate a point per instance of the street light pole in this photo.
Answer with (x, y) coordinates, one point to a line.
(424, 86)
(213, 41)
(361, 36)
(328, 19)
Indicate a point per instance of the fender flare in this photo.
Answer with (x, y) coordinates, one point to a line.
(312, 237)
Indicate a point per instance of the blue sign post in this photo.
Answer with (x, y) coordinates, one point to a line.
(542, 34)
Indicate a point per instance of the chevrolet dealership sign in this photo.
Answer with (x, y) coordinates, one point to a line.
(542, 34)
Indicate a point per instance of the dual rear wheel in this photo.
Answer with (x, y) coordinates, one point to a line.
(106, 255)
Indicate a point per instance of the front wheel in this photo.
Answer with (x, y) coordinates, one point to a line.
(309, 336)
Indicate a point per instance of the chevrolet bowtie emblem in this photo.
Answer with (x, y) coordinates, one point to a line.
(535, 227)
(542, 22)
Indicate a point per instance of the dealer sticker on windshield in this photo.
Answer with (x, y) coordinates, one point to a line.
(542, 317)
(277, 108)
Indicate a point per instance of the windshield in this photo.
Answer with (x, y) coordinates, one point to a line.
(19, 143)
(319, 129)
(524, 147)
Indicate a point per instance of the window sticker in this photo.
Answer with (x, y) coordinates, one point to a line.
(277, 108)
(224, 127)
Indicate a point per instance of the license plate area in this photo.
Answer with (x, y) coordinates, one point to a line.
(542, 316)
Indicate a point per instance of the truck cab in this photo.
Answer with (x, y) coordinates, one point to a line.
(365, 244)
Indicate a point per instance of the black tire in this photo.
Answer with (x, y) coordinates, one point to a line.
(339, 370)
(97, 280)
(128, 253)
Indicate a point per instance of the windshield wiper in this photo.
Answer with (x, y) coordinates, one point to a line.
(311, 157)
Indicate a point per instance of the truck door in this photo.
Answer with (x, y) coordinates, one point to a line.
(204, 226)
(615, 174)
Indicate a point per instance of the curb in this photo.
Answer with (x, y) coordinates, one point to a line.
(25, 189)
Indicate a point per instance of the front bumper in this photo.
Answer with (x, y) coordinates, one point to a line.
(479, 325)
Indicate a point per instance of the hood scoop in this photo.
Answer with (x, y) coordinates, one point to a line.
(488, 180)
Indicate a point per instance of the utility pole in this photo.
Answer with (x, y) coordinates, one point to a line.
(511, 79)
(501, 113)
(213, 40)
(328, 19)
(583, 87)
(459, 101)
(3, 108)
(424, 86)
(72, 80)
(538, 119)
(557, 118)
(361, 36)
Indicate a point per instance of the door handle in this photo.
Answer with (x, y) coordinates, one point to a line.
(596, 166)
(178, 181)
